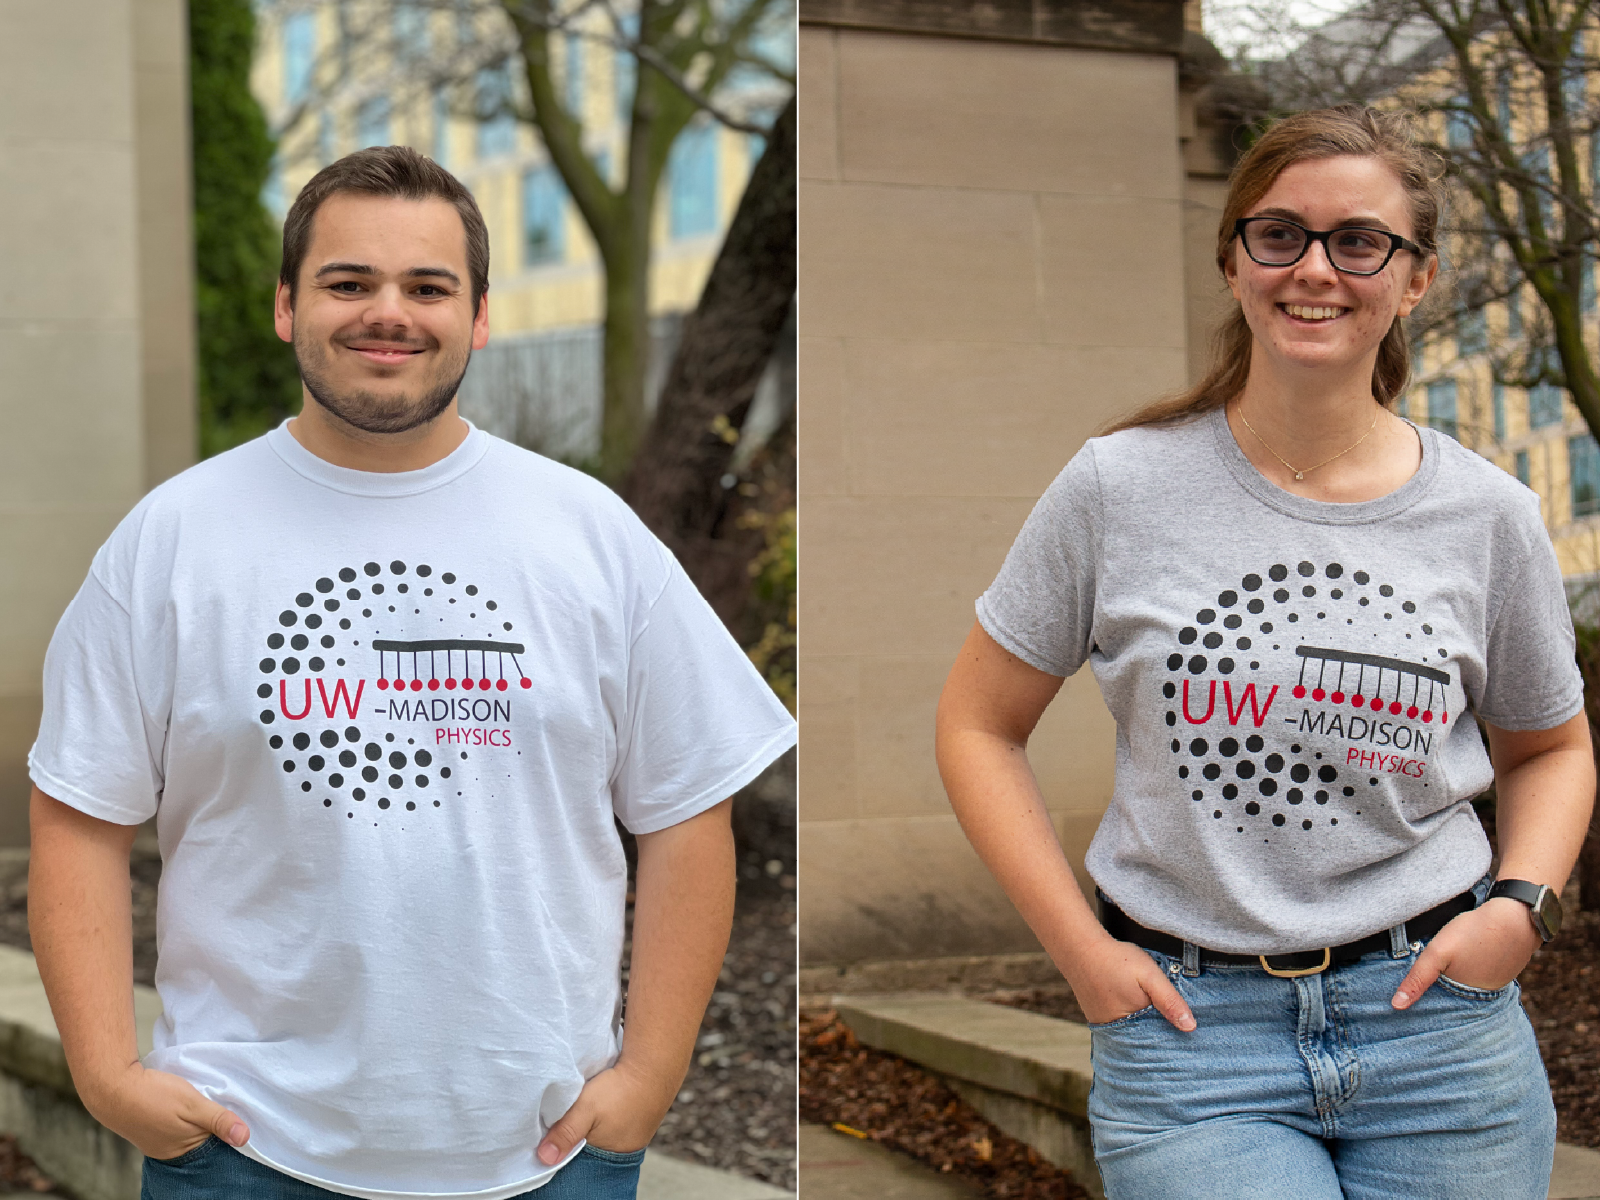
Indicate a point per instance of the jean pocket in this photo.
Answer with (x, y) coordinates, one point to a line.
(1467, 992)
(1122, 1022)
(189, 1157)
(619, 1158)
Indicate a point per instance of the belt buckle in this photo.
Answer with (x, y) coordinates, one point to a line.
(1327, 957)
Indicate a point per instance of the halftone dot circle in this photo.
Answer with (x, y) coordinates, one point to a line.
(1294, 795)
(302, 740)
(1176, 745)
(1197, 794)
(1408, 607)
(402, 587)
(1169, 689)
(1293, 617)
(1337, 593)
(471, 589)
(436, 804)
(1376, 704)
(288, 765)
(316, 664)
(1252, 808)
(383, 802)
(1277, 818)
(1197, 664)
(287, 617)
(1268, 786)
(1174, 661)
(1349, 791)
(1228, 599)
(1253, 743)
(313, 621)
(328, 738)
(299, 642)
(1321, 797)
(268, 666)
(373, 751)
(1255, 666)
(304, 599)
(397, 567)
(352, 734)
(1266, 627)
(501, 684)
(1245, 769)
(1257, 606)
(1327, 774)
(327, 804)
(1212, 640)
(397, 759)
(336, 780)
(324, 584)
(1442, 654)
(1187, 635)
(1230, 791)
(1305, 824)
(448, 577)
(1385, 590)
(331, 605)
(1212, 771)
(424, 570)
(1172, 717)
(396, 782)
(422, 758)
(327, 641)
(275, 741)
(1274, 762)
(1306, 570)
(1183, 771)
(463, 754)
(1308, 591)
(1251, 583)
(1228, 747)
(1225, 665)
(1299, 772)
(370, 774)
(1232, 621)
(1427, 716)
(1206, 615)
(1373, 782)
(347, 575)
(1358, 701)
(1333, 571)
(275, 641)
(1278, 573)
(1198, 747)
(316, 762)
(1336, 697)
(348, 758)
(344, 622)
(1427, 629)
(1281, 595)
(372, 568)
(444, 772)
(507, 626)
(377, 590)
(450, 684)
(421, 781)
(353, 594)
(291, 666)
(268, 716)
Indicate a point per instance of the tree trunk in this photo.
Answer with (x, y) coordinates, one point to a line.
(676, 481)
(625, 355)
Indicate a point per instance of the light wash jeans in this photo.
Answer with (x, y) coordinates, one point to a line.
(214, 1170)
(1316, 1088)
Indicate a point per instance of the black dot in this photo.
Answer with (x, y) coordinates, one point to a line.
(1349, 791)
(1293, 617)
(268, 716)
(268, 665)
(336, 780)
(306, 786)
(471, 590)
(347, 575)
(377, 590)
(373, 751)
(275, 641)
(275, 742)
(463, 754)
(396, 782)
(1206, 615)
(288, 764)
(491, 605)
(1268, 786)
(1229, 791)
(331, 605)
(1278, 573)
(1253, 743)
(1176, 746)
(1212, 770)
(1305, 824)
(383, 802)
(1322, 797)
(1256, 606)
(287, 617)
(1374, 781)
(1295, 795)
(1327, 774)
(1252, 808)
(1212, 640)
(302, 740)
(1299, 772)
(1308, 591)
(299, 641)
(1174, 661)
(1363, 602)
(1386, 590)
(1266, 627)
(1218, 813)
(1274, 762)
(1245, 769)
(1251, 582)
(397, 759)
(388, 737)
(344, 623)
(1187, 635)
(347, 758)
(1197, 794)
(372, 568)
(403, 587)
(1233, 620)
(448, 577)
(370, 774)
(1408, 607)
(1225, 665)
(324, 584)
(1228, 747)
(1254, 666)
(1295, 748)
(327, 804)
(422, 781)
(507, 625)
(1280, 595)
(1169, 689)
(1306, 569)
(1277, 818)
(352, 594)
(316, 664)
(352, 734)
(436, 804)
(1196, 747)
(304, 599)
(445, 771)
(1172, 717)
(1197, 664)
(422, 757)
(1183, 772)
(1427, 629)
(1228, 599)
(291, 665)
(1243, 643)
(313, 621)
(316, 762)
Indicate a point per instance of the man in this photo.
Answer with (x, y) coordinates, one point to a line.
(386, 682)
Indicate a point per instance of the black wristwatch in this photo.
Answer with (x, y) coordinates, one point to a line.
(1543, 903)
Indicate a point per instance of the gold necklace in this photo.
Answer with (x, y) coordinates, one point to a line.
(1298, 474)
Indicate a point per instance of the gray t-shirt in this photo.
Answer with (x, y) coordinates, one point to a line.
(1293, 680)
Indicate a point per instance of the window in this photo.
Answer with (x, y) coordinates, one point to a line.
(1500, 412)
(625, 68)
(1574, 80)
(1544, 405)
(1537, 162)
(1522, 468)
(441, 126)
(574, 73)
(1583, 457)
(692, 169)
(372, 122)
(299, 54)
(497, 124)
(411, 30)
(1442, 407)
(543, 217)
(1472, 332)
(1458, 125)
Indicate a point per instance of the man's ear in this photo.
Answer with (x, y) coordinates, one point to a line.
(283, 312)
(480, 322)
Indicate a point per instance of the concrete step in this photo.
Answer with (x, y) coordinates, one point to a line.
(1030, 1075)
(39, 1105)
(835, 1166)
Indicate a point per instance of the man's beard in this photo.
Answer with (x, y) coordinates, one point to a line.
(369, 411)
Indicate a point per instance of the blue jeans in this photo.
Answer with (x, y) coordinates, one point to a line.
(214, 1170)
(1316, 1088)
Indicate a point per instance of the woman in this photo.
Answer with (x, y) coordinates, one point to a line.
(1293, 600)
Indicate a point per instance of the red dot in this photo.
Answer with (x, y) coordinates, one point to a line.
(502, 685)
(1357, 701)
(1394, 709)
(416, 685)
(450, 685)
(1337, 697)
(1427, 715)
(1299, 692)
(1412, 712)
(484, 684)
(467, 683)
(1318, 694)
(433, 685)
(1377, 704)
(383, 685)
(527, 683)
(1443, 717)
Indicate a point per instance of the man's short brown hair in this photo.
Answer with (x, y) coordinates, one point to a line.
(385, 171)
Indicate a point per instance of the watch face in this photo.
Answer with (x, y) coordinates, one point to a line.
(1548, 910)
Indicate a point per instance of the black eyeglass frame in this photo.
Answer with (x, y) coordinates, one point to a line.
(1396, 242)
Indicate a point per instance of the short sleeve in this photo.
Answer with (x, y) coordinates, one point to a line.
(1531, 672)
(1041, 605)
(700, 722)
(98, 750)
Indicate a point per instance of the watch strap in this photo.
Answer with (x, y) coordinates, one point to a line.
(1517, 889)
(1544, 906)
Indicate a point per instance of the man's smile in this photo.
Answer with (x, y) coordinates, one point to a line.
(379, 352)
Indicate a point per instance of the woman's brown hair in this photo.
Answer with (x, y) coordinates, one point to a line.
(1349, 129)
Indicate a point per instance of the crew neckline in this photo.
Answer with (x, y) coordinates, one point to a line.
(1325, 512)
(379, 483)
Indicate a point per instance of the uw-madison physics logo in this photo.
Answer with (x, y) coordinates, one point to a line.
(1295, 690)
(381, 685)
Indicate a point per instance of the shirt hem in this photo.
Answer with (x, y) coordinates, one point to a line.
(1555, 717)
(499, 1192)
(722, 789)
(1008, 641)
(59, 789)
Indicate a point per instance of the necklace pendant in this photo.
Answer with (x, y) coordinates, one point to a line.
(1299, 474)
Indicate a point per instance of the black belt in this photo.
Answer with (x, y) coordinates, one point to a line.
(1301, 962)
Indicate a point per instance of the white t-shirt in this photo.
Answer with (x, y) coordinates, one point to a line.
(384, 722)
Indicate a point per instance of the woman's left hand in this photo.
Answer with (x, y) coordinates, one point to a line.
(1485, 948)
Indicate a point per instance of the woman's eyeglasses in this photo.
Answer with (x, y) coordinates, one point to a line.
(1275, 242)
